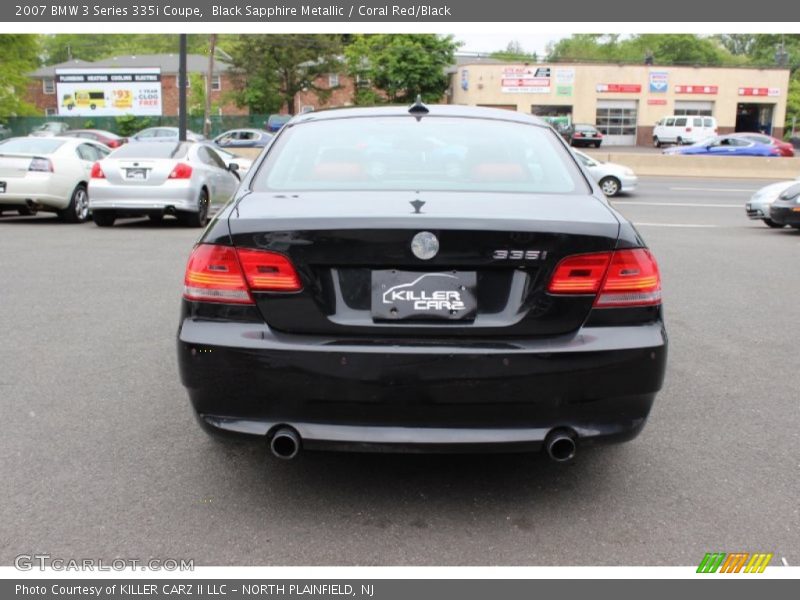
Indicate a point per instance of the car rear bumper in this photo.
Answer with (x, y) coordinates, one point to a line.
(129, 198)
(41, 190)
(507, 395)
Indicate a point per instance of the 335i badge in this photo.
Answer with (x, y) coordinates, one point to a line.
(512, 309)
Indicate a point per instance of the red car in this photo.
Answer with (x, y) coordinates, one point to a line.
(785, 148)
(112, 140)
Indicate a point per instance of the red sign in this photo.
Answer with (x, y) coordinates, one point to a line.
(696, 89)
(656, 102)
(619, 88)
(754, 91)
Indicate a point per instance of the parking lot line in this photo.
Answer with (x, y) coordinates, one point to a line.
(691, 204)
(719, 190)
(689, 225)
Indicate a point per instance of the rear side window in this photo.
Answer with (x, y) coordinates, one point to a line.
(433, 153)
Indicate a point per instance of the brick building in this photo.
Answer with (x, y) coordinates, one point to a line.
(42, 89)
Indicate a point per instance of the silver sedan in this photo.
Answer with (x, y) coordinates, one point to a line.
(758, 206)
(183, 179)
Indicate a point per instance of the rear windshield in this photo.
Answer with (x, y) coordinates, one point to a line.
(31, 145)
(152, 150)
(432, 153)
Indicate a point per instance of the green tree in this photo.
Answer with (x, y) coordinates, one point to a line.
(19, 55)
(275, 68)
(400, 66)
(514, 52)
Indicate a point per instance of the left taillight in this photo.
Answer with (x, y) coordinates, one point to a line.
(41, 165)
(97, 171)
(226, 274)
(622, 278)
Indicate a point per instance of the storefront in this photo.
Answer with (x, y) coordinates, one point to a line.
(625, 101)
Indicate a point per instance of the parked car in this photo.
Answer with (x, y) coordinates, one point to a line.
(5, 132)
(183, 179)
(581, 134)
(759, 204)
(785, 210)
(784, 148)
(243, 163)
(50, 129)
(107, 138)
(243, 138)
(160, 134)
(332, 306)
(48, 174)
(612, 178)
(275, 122)
(725, 145)
(683, 129)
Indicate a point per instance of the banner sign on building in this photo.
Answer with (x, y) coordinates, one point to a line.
(696, 89)
(618, 88)
(659, 82)
(526, 80)
(108, 92)
(755, 91)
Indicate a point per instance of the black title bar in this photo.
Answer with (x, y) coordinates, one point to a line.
(261, 11)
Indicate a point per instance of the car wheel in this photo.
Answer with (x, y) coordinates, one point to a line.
(610, 186)
(656, 142)
(199, 218)
(156, 218)
(77, 210)
(597, 144)
(679, 141)
(771, 223)
(93, 106)
(104, 218)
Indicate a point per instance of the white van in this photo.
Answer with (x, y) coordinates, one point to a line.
(683, 129)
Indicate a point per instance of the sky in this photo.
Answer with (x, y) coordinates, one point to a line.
(491, 42)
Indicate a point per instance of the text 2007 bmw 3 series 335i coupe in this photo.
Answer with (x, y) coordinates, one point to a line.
(434, 278)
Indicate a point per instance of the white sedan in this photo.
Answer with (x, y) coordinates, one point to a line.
(612, 178)
(49, 174)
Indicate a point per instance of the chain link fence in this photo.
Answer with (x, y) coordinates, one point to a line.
(128, 125)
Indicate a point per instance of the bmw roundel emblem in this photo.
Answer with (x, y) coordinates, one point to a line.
(425, 245)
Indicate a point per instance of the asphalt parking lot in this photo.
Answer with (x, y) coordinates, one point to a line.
(102, 457)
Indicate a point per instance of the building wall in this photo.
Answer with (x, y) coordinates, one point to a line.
(169, 96)
(484, 86)
(337, 96)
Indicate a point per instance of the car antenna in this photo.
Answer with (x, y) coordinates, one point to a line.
(418, 108)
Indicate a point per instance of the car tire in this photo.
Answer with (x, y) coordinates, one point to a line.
(199, 218)
(93, 106)
(773, 224)
(656, 142)
(156, 218)
(597, 144)
(679, 141)
(104, 218)
(77, 211)
(610, 186)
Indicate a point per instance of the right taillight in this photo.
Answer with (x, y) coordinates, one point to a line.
(226, 274)
(181, 171)
(620, 278)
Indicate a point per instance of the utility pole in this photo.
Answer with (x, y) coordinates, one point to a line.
(212, 48)
(182, 84)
